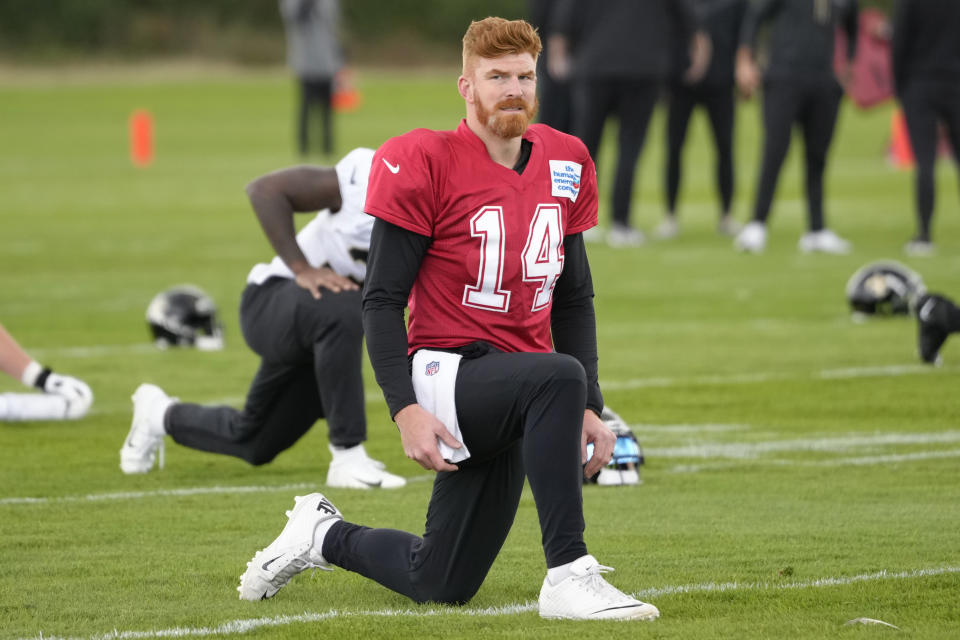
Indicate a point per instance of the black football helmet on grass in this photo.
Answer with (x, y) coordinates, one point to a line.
(185, 316)
(884, 288)
(624, 467)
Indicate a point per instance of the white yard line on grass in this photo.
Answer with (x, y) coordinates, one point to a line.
(746, 450)
(187, 491)
(882, 371)
(137, 495)
(234, 627)
(835, 462)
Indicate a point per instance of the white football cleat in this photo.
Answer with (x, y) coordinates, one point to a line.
(623, 237)
(727, 226)
(585, 595)
(824, 241)
(292, 552)
(917, 248)
(667, 229)
(353, 469)
(144, 443)
(593, 234)
(752, 238)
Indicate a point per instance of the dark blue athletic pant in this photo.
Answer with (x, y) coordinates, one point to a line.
(812, 102)
(311, 355)
(925, 105)
(518, 412)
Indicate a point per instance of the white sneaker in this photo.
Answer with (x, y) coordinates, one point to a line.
(593, 234)
(919, 248)
(727, 226)
(292, 552)
(144, 443)
(667, 229)
(585, 595)
(621, 237)
(824, 241)
(353, 469)
(752, 238)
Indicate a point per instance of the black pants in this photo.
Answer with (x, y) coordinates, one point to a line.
(719, 102)
(310, 368)
(925, 105)
(518, 412)
(633, 101)
(812, 102)
(555, 99)
(316, 94)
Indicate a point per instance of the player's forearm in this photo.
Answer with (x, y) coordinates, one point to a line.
(277, 196)
(572, 318)
(275, 212)
(13, 359)
(392, 266)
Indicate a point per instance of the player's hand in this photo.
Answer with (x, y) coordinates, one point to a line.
(748, 76)
(78, 395)
(603, 440)
(312, 279)
(419, 431)
(701, 50)
(558, 58)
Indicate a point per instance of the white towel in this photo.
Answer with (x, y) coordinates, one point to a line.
(434, 382)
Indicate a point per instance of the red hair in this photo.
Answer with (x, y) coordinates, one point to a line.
(496, 37)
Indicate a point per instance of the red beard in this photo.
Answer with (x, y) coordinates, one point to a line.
(507, 125)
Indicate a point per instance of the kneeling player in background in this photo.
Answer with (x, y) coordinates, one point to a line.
(301, 314)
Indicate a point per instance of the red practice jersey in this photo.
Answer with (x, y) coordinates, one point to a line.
(497, 248)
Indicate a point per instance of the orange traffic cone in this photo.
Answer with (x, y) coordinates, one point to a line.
(141, 138)
(901, 153)
(346, 96)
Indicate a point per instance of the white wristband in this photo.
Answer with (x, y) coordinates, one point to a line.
(30, 373)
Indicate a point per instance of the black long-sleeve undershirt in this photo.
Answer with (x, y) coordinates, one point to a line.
(394, 261)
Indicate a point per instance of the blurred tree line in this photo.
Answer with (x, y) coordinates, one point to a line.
(243, 31)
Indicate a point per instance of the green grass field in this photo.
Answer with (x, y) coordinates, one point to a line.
(802, 469)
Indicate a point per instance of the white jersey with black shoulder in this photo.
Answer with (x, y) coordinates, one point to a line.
(339, 240)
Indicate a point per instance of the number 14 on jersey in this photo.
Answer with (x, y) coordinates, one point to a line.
(541, 259)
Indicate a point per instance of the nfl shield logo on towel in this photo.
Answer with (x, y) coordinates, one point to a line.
(432, 368)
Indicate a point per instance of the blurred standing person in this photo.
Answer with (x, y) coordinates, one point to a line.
(314, 55)
(926, 71)
(63, 397)
(799, 87)
(721, 20)
(617, 54)
(555, 100)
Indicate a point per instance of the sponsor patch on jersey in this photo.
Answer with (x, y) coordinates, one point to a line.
(433, 368)
(565, 179)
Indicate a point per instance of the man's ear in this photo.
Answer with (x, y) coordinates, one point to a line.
(463, 86)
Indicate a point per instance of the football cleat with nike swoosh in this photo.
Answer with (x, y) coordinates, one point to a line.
(292, 552)
(353, 469)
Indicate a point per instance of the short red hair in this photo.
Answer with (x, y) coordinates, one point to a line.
(496, 37)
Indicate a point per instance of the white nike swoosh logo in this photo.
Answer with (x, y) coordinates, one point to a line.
(926, 310)
(393, 168)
